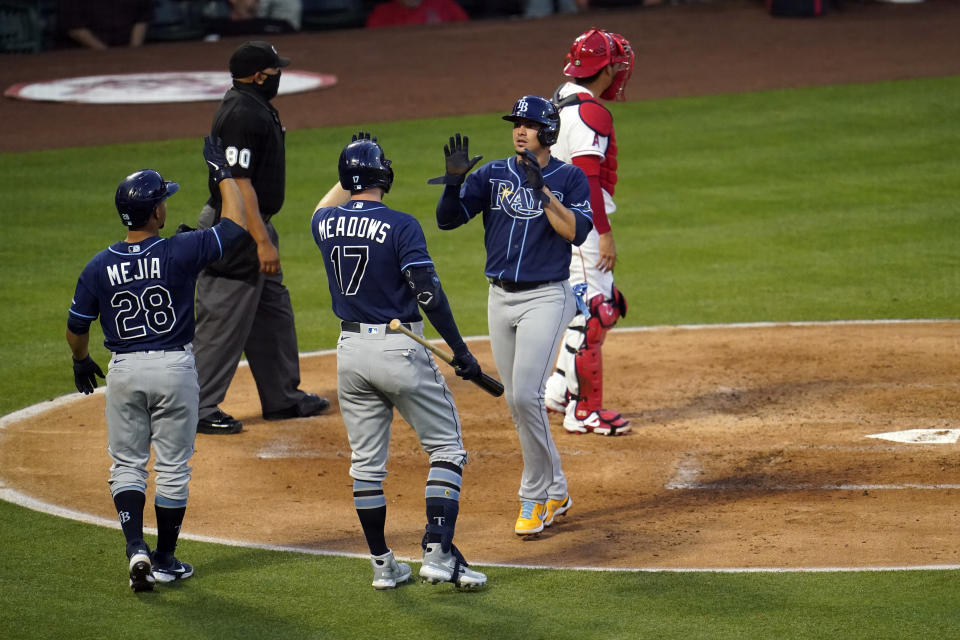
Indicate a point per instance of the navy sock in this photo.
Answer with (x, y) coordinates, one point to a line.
(442, 496)
(129, 506)
(371, 506)
(169, 520)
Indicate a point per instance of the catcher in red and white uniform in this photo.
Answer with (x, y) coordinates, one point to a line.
(599, 64)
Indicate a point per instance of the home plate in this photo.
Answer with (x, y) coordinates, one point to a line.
(921, 436)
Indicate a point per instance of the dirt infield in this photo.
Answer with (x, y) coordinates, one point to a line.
(750, 445)
(749, 450)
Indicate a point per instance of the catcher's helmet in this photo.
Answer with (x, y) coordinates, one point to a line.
(539, 110)
(362, 166)
(595, 49)
(139, 194)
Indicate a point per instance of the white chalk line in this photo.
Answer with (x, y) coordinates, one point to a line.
(689, 469)
(23, 500)
(675, 485)
(16, 497)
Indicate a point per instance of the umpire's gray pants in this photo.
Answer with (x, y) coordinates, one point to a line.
(252, 317)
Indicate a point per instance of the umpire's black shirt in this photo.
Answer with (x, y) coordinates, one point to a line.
(253, 139)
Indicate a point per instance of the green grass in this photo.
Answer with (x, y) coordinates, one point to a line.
(246, 593)
(809, 204)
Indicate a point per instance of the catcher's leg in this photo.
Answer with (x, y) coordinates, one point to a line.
(562, 383)
(585, 413)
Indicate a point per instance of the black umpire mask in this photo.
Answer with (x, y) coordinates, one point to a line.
(269, 87)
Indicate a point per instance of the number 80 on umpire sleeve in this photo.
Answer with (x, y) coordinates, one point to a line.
(238, 156)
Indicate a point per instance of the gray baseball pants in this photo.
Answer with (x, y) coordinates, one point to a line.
(377, 371)
(525, 330)
(152, 398)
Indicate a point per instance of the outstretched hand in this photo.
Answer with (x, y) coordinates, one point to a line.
(216, 159)
(531, 168)
(458, 161)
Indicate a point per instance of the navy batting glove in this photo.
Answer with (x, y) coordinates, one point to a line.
(465, 365)
(216, 159)
(531, 167)
(363, 135)
(459, 162)
(85, 374)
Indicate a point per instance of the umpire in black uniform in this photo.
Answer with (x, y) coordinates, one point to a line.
(242, 304)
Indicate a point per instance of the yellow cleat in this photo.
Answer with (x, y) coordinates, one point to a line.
(556, 508)
(531, 518)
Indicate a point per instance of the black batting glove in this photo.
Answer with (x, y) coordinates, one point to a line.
(531, 168)
(465, 365)
(363, 135)
(458, 160)
(85, 374)
(216, 159)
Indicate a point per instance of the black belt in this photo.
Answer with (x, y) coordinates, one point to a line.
(512, 287)
(180, 348)
(354, 327)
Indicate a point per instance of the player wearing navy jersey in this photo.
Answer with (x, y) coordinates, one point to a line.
(142, 290)
(534, 207)
(378, 269)
(599, 64)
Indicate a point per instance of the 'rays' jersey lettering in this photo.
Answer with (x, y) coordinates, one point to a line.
(143, 292)
(365, 248)
(521, 245)
(519, 203)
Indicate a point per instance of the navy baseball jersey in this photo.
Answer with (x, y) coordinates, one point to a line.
(365, 247)
(521, 245)
(143, 292)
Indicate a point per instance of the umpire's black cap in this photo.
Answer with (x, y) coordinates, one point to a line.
(254, 56)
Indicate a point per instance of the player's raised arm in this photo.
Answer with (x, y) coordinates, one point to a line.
(233, 208)
(458, 163)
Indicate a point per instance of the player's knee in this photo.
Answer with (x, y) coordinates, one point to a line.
(364, 471)
(454, 457)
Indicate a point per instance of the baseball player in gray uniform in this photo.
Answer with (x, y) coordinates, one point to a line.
(533, 208)
(378, 269)
(142, 290)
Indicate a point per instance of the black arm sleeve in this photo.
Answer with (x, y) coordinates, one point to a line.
(450, 213)
(78, 326)
(431, 298)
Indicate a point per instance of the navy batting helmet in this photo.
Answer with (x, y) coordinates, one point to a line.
(139, 194)
(538, 110)
(363, 166)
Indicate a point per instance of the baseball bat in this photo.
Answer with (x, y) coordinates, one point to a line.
(488, 383)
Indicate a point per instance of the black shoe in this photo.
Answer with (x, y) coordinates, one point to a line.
(173, 570)
(310, 405)
(219, 422)
(140, 567)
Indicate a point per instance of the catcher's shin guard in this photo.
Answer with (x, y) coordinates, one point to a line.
(588, 362)
(562, 385)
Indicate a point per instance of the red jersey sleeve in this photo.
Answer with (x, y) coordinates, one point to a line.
(591, 166)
